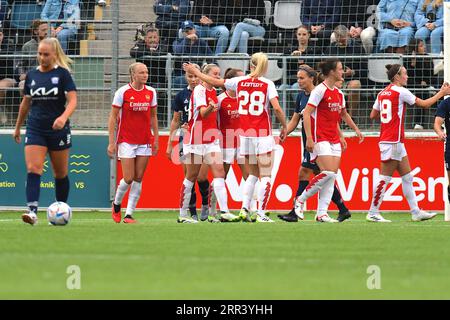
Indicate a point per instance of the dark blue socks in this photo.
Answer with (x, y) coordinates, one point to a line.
(33, 189)
(62, 187)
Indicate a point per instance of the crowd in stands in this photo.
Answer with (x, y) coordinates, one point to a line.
(329, 27)
(213, 27)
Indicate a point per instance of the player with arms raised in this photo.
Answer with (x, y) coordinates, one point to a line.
(390, 108)
(255, 93)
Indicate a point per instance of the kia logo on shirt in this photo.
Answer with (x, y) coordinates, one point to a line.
(43, 92)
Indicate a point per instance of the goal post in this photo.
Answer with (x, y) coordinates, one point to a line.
(447, 79)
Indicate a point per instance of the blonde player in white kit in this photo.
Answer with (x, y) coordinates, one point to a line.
(390, 108)
(255, 94)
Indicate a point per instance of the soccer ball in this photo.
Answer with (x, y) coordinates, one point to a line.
(59, 213)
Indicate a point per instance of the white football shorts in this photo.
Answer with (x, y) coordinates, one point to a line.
(126, 150)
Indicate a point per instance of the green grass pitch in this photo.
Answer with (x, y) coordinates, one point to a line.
(160, 259)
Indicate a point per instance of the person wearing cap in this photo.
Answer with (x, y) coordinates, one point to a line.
(189, 45)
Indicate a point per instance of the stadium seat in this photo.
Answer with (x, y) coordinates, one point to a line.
(286, 14)
(274, 72)
(376, 66)
(224, 64)
(22, 14)
(268, 7)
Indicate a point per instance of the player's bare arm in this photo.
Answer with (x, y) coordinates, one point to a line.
(444, 91)
(112, 121)
(438, 122)
(155, 129)
(293, 123)
(349, 121)
(174, 125)
(60, 122)
(218, 83)
(23, 112)
(281, 118)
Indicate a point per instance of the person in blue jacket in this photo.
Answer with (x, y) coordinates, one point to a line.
(396, 24)
(68, 14)
(429, 18)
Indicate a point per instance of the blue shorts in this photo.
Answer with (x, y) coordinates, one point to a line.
(54, 140)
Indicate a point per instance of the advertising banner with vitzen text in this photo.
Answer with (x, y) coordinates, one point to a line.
(359, 170)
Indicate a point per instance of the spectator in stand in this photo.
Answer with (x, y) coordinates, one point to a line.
(305, 51)
(396, 25)
(3, 11)
(189, 45)
(39, 31)
(354, 68)
(152, 47)
(210, 22)
(64, 10)
(171, 13)
(303, 46)
(6, 73)
(360, 17)
(321, 17)
(248, 21)
(429, 20)
(421, 77)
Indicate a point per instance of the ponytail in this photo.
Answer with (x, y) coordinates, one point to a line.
(259, 63)
(62, 60)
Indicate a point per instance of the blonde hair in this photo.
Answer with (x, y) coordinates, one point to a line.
(132, 69)
(196, 66)
(206, 68)
(436, 4)
(258, 62)
(61, 59)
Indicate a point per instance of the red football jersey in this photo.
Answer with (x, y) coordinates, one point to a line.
(254, 95)
(328, 104)
(202, 130)
(228, 120)
(391, 103)
(134, 121)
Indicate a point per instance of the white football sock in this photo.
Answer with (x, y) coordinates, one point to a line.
(221, 193)
(409, 193)
(122, 188)
(185, 197)
(325, 196)
(263, 194)
(133, 198)
(378, 194)
(316, 184)
(249, 189)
